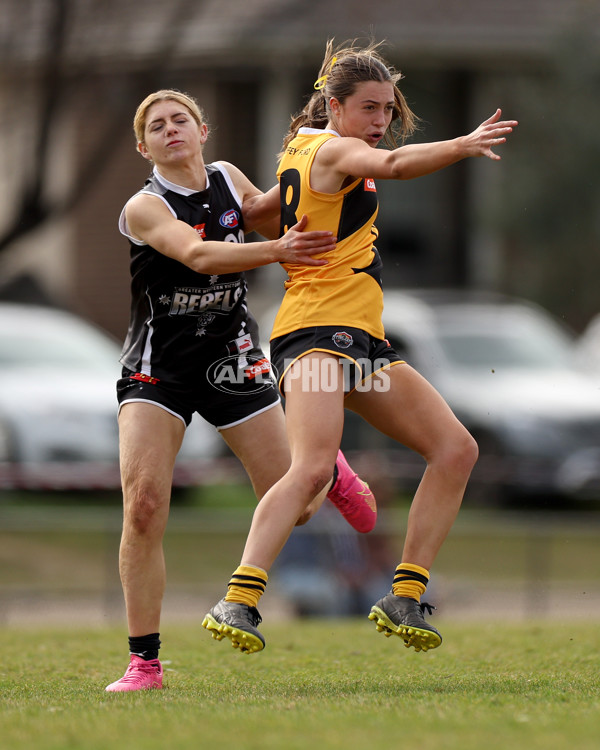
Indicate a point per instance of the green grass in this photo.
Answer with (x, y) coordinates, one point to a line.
(325, 684)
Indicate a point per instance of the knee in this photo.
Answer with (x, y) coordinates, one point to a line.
(467, 452)
(144, 510)
(312, 479)
(316, 478)
(460, 453)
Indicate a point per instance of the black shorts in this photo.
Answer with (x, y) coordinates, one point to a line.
(226, 393)
(360, 354)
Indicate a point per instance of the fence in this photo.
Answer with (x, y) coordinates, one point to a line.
(60, 565)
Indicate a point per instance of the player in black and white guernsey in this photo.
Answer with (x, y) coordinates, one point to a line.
(192, 346)
(175, 309)
(182, 322)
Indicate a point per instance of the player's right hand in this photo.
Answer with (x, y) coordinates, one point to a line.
(299, 247)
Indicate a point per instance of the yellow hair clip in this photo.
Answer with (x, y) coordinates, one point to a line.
(320, 82)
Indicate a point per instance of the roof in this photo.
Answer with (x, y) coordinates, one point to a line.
(287, 32)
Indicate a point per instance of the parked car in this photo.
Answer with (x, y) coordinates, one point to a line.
(58, 406)
(509, 371)
(588, 346)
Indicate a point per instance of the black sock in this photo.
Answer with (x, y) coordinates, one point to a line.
(145, 646)
(335, 474)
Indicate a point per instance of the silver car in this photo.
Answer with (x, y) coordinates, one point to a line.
(509, 371)
(58, 406)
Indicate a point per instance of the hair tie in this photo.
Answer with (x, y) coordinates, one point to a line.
(320, 82)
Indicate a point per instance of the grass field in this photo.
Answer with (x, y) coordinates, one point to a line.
(325, 684)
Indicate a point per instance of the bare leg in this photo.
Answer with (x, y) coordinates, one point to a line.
(261, 444)
(149, 439)
(412, 412)
(314, 423)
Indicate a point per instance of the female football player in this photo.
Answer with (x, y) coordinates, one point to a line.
(328, 343)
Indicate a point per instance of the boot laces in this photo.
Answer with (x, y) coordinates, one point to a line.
(426, 606)
(130, 673)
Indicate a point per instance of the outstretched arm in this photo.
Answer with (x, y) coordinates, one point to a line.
(416, 160)
(150, 221)
(351, 156)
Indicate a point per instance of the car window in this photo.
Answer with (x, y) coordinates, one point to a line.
(515, 342)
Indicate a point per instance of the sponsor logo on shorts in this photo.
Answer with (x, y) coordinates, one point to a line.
(144, 378)
(241, 375)
(342, 339)
(230, 219)
(257, 369)
(243, 343)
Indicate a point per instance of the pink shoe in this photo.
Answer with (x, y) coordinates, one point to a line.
(353, 498)
(139, 675)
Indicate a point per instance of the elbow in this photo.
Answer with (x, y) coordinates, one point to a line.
(198, 260)
(399, 174)
(201, 265)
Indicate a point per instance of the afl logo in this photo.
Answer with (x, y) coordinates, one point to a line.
(342, 339)
(241, 375)
(230, 219)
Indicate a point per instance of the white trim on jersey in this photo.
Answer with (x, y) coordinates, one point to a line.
(124, 229)
(223, 170)
(317, 131)
(147, 353)
(174, 188)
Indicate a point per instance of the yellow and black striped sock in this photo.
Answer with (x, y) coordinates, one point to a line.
(247, 585)
(410, 580)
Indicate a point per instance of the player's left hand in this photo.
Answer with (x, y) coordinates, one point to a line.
(492, 132)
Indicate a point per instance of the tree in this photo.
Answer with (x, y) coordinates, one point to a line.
(550, 215)
(51, 57)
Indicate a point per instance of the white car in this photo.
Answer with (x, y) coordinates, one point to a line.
(589, 347)
(58, 405)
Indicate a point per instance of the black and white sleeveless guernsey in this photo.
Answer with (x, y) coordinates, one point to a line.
(181, 319)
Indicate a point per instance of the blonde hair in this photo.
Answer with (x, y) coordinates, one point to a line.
(341, 70)
(187, 101)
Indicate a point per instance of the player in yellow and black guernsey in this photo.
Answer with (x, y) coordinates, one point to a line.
(347, 291)
(328, 344)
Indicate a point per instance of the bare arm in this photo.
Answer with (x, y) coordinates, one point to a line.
(351, 156)
(150, 221)
(262, 213)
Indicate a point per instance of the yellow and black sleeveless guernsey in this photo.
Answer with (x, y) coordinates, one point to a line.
(347, 291)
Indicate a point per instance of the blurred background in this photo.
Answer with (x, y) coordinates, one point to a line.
(491, 270)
